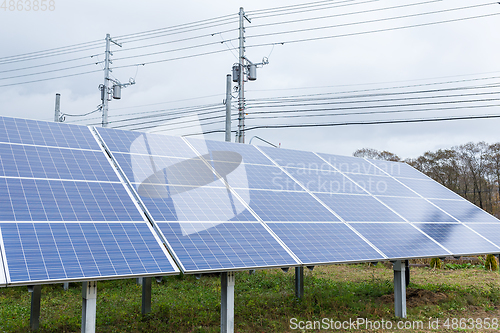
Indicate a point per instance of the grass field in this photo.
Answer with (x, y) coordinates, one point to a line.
(264, 301)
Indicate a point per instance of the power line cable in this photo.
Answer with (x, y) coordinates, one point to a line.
(373, 31)
(370, 21)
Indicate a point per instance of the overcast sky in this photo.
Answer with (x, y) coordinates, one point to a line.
(347, 61)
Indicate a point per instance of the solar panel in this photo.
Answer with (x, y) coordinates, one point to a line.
(205, 224)
(294, 158)
(380, 185)
(458, 238)
(349, 164)
(64, 212)
(221, 246)
(416, 209)
(490, 231)
(325, 181)
(400, 240)
(464, 211)
(275, 206)
(217, 205)
(38, 252)
(54, 163)
(41, 133)
(358, 208)
(429, 189)
(319, 243)
(399, 169)
(218, 151)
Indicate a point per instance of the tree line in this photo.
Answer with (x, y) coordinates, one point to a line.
(471, 170)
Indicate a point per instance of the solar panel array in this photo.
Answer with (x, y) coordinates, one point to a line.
(78, 205)
(65, 215)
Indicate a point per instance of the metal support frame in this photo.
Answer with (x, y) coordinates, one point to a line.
(227, 280)
(399, 289)
(146, 295)
(299, 282)
(407, 273)
(89, 306)
(36, 295)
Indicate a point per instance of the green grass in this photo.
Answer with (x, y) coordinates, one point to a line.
(264, 301)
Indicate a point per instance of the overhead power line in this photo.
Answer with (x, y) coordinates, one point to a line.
(370, 31)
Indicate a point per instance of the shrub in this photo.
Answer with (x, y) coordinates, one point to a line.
(491, 263)
(436, 263)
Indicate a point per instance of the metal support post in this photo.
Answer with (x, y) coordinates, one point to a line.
(227, 302)
(66, 285)
(407, 272)
(57, 114)
(399, 289)
(89, 306)
(146, 295)
(36, 295)
(228, 107)
(299, 282)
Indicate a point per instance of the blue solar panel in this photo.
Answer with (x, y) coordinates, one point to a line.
(55, 200)
(219, 151)
(144, 169)
(380, 185)
(287, 206)
(399, 169)
(399, 240)
(79, 251)
(352, 164)
(326, 181)
(457, 238)
(316, 243)
(358, 208)
(212, 246)
(429, 189)
(43, 133)
(264, 177)
(193, 204)
(55, 163)
(490, 231)
(144, 143)
(295, 158)
(416, 209)
(464, 211)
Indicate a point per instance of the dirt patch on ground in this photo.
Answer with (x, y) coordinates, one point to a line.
(417, 297)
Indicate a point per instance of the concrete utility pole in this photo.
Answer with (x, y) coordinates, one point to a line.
(57, 114)
(105, 86)
(228, 107)
(241, 90)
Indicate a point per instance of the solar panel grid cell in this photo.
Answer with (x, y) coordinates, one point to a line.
(212, 246)
(457, 238)
(76, 251)
(316, 243)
